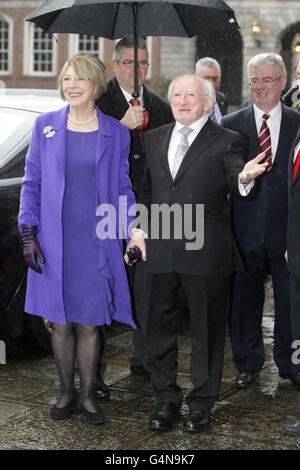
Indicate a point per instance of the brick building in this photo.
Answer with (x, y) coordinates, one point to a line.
(31, 58)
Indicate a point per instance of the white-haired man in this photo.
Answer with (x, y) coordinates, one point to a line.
(210, 69)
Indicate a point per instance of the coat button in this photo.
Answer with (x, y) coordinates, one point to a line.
(174, 188)
(136, 156)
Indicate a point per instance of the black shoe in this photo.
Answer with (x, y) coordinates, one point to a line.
(93, 418)
(292, 429)
(246, 378)
(142, 371)
(101, 389)
(65, 411)
(165, 415)
(197, 421)
(294, 379)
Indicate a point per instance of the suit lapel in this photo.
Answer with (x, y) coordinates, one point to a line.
(197, 150)
(118, 100)
(104, 135)
(59, 139)
(166, 136)
(291, 161)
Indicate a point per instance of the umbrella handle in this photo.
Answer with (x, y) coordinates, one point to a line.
(145, 124)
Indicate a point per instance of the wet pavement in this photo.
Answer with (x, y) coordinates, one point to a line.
(249, 419)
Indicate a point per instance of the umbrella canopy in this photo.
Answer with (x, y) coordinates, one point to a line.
(113, 20)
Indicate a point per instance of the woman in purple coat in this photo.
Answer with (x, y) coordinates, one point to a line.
(77, 171)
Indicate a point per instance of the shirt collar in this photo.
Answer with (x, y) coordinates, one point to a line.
(129, 97)
(275, 112)
(196, 126)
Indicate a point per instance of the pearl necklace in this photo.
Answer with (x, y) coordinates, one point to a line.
(83, 122)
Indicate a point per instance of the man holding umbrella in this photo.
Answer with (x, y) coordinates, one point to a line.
(117, 102)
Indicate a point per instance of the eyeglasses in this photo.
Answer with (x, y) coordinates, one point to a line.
(265, 81)
(189, 95)
(68, 79)
(130, 63)
(215, 78)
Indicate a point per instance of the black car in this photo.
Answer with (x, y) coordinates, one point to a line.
(18, 111)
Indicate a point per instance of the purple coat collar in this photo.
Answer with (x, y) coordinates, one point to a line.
(58, 123)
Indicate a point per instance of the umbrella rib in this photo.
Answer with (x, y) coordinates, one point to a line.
(180, 19)
(115, 19)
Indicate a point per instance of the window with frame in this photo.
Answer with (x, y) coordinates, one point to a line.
(85, 44)
(40, 48)
(6, 35)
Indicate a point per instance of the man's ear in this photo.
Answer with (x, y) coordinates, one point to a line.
(114, 66)
(208, 105)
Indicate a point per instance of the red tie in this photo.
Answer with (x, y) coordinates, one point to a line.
(296, 164)
(265, 141)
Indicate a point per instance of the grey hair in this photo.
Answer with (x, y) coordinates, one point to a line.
(209, 88)
(128, 43)
(268, 58)
(207, 62)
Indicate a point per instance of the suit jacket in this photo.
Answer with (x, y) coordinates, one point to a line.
(222, 102)
(41, 203)
(263, 218)
(114, 104)
(208, 172)
(293, 232)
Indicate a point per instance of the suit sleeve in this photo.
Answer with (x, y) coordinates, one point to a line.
(234, 161)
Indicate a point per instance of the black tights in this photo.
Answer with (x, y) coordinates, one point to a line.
(87, 340)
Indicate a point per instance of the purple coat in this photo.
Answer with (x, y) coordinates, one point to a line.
(41, 204)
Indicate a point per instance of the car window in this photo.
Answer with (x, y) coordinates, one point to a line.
(16, 127)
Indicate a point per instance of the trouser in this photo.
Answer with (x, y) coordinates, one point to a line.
(206, 299)
(247, 312)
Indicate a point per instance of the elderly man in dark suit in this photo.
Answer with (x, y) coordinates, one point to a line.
(116, 102)
(191, 164)
(260, 225)
(210, 69)
(293, 255)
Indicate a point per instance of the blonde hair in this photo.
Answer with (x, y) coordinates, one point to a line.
(88, 66)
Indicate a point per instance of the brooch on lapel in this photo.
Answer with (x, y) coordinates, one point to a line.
(48, 130)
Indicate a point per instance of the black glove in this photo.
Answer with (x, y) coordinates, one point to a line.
(134, 254)
(31, 248)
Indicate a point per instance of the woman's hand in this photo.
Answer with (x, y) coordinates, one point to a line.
(136, 243)
(31, 248)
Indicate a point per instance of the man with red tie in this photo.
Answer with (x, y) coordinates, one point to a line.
(293, 255)
(260, 224)
(117, 102)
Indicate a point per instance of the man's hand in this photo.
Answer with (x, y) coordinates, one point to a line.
(133, 117)
(138, 240)
(252, 169)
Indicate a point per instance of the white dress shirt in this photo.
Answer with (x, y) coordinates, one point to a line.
(176, 137)
(129, 97)
(297, 148)
(273, 123)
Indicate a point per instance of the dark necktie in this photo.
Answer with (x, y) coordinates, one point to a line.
(212, 114)
(296, 164)
(181, 150)
(265, 141)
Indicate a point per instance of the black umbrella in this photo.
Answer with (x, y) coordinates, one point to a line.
(114, 20)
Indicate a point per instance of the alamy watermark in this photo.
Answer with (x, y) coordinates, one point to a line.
(176, 221)
(296, 353)
(2, 352)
